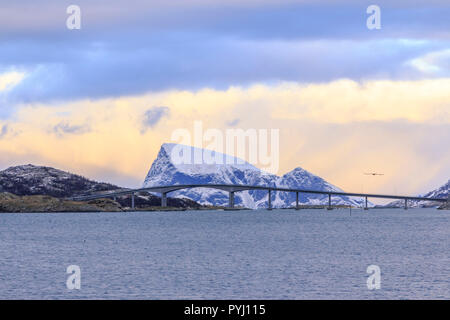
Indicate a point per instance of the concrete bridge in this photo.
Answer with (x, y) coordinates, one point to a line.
(232, 189)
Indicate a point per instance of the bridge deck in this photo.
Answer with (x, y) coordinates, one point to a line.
(236, 188)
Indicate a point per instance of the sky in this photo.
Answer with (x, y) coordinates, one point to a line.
(100, 101)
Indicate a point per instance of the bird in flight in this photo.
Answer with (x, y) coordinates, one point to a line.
(373, 174)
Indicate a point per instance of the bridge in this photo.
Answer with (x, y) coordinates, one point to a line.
(232, 189)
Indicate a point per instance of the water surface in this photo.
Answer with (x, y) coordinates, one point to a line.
(279, 254)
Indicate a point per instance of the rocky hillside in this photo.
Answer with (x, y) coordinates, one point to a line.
(36, 180)
(18, 183)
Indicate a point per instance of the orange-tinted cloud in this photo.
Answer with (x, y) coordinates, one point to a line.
(337, 130)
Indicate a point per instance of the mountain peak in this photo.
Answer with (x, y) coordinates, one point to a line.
(305, 179)
(298, 171)
(169, 169)
(23, 167)
(193, 160)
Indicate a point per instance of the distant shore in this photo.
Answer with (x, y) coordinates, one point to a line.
(10, 203)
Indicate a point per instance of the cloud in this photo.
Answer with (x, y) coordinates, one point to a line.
(64, 128)
(153, 116)
(163, 64)
(338, 130)
(10, 79)
(7, 131)
(154, 46)
(233, 122)
(3, 131)
(278, 19)
(345, 98)
(435, 63)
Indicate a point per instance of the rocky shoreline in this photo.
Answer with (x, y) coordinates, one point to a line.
(11, 203)
(39, 203)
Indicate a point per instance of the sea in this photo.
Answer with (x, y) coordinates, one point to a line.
(246, 254)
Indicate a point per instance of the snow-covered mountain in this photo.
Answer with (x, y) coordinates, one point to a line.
(169, 168)
(441, 192)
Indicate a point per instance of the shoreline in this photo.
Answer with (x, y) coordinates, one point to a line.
(168, 209)
(10, 203)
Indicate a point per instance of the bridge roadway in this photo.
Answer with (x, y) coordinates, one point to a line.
(231, 189)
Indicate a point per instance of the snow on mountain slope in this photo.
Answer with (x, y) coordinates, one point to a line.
(170, 169)
(300, 178)
(441, 192)
(167, 170)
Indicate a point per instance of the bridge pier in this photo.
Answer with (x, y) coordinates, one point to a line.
(163, 199)
(329, 202)
(296, 201)
(231, 199)
(163, 190)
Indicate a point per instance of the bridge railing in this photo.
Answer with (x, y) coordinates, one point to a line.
(231, 189)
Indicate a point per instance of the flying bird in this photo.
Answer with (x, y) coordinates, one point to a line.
(373, 174)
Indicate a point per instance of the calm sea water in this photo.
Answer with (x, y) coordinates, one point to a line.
(279, 254)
